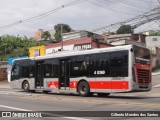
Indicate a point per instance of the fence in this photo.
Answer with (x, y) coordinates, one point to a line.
(3, 71)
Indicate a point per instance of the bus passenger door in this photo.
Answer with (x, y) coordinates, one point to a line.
(39, 76)
(64, 74)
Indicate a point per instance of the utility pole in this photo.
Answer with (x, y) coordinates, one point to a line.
(61, 37)
(159, 20)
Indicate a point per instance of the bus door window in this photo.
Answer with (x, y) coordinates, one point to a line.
(48, 68)
(54, 73)
(39, 73)
(32, 69)
(64, 73)
(62, 68)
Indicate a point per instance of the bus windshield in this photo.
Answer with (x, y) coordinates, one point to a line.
(142, 53)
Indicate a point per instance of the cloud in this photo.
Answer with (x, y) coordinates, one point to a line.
(88, 15)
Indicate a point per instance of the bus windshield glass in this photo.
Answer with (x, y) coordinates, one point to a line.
(142, 53)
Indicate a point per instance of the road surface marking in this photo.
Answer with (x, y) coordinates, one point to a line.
(76, 118)
(156, 86)
(14, 108)
(20, 109)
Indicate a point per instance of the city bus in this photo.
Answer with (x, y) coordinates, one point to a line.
(120, 69)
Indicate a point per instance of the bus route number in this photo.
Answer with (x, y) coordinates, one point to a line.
(102, 72)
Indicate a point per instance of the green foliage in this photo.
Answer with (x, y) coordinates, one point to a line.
(57, 36)
(65, 28)
(157, 68)
(124, 29)
(154, 33)
(14, 46)
(46, 35)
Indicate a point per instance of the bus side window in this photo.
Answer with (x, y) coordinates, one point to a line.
(51, 68)
(32, 68)
(15, 70)
(119, 64)
(79, 66)
(47, 70)
(84, 65)
(25, 71)
(31, 71)
(15, 74)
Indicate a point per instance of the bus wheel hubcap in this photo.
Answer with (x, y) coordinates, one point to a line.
(26, 86)
(84, 88)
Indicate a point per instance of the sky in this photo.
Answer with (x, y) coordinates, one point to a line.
(16, 15)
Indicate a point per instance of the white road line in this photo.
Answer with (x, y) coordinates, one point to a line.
(20, 109)
(156, 86)
(14, 108)
(14, 93)
(75, 118)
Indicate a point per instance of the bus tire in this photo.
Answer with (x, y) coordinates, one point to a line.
(103, 94)
(83, 89)
(26, 86)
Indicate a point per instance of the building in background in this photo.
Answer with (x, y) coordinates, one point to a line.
(52, 32)
(37, 51)
(124, 39)
(77, 40)
(153, 43)
(38, 35)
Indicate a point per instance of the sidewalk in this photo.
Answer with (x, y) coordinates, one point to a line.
(4, 85)
(156, 73)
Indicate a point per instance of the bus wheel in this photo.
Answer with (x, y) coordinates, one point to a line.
(26, 86)
(83, 89)
(103, 94)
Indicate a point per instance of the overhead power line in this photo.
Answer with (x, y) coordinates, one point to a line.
(110, 8)
(135, 22)
(45, 14)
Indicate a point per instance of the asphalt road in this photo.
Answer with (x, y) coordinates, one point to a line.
(11, 100)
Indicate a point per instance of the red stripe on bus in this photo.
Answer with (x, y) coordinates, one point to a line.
(109, 85)
(52, 84)
(119, 85)
(96, 84)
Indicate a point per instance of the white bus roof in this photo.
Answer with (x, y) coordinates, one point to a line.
(82, 52)
(75, 53)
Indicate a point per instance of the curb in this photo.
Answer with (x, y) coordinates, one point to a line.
(3, 83)
(154, 74)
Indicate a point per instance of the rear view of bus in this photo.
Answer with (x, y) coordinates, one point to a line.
(141, 70)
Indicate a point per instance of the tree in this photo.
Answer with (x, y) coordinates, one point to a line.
(65, 28)
(124, 29)
(14, 46)
(46, 35)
